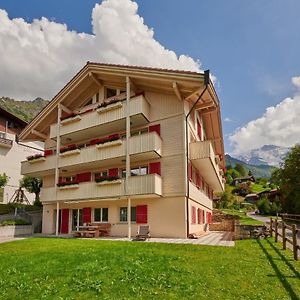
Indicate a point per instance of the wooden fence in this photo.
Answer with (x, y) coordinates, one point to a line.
(275, 227)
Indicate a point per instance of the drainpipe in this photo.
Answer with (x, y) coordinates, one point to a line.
(206, 82)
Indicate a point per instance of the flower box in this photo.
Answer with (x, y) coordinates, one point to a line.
(105, 108)
(69, 152)
(69, 186)
(36, 158)
(109, 144)
(106, 182)
(69, 120)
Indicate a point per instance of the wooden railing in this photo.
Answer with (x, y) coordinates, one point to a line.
(275, 227)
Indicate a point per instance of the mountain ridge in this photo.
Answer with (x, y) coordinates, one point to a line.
(25, 110)
(257, 170)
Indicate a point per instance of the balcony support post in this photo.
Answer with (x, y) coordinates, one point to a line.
(57, 218)
(128, 155)
(59, 110)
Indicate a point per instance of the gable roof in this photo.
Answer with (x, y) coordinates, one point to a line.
(10, 116)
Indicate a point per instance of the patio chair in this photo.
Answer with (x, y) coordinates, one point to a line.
(143, 233)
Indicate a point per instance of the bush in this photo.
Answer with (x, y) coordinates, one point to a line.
(14, 222)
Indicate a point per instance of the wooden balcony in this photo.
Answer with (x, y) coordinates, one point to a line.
(142, 147)
(203, 157)
(38, 167)
(5, 143)
(105, 120)
(146, 186)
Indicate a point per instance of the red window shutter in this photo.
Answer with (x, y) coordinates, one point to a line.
(64, 225)
(141, 214)
(199, 130)
(84, 177)
(48, 152)
(86, 211)
(199, 215)
(154, 168)
(193, 215)
(113, 172)
(155, 128)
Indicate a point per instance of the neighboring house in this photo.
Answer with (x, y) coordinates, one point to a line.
(115, 146)
(12, 153)
(251, 198)
(239, 180)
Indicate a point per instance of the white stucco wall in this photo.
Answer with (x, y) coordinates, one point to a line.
(10, 164)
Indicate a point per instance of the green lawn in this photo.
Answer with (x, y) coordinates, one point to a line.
(41, 268)
(244, 219)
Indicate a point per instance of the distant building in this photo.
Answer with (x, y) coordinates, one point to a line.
(12, 153)
(239, 180)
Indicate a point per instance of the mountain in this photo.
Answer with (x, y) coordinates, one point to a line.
(25, 110)
(266, 155)
(257, 170)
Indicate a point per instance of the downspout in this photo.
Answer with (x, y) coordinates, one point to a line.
(206, 82)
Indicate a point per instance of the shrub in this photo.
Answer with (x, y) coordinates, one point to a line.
(14, 222)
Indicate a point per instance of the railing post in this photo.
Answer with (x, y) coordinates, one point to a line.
(271, 227)
(295, 247)
(276, 231)
(283, 236)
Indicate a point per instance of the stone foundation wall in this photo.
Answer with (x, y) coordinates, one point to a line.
(16, 230)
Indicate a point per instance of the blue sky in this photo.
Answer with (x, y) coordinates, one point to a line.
(252, 47)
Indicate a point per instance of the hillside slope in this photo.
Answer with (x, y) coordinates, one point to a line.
(257, 171)
(25, 110)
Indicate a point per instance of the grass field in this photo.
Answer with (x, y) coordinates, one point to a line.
(41, 268)
(244, 219)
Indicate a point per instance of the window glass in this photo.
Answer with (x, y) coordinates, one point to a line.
(143, 170)
(110, 92)
(123, 214)
(135, 172)
(2, 135)
(97, 214)
(101, 174)
(101, 214)
(105, 214)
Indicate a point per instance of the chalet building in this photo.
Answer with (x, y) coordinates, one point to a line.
(127, 146)
(12, 153)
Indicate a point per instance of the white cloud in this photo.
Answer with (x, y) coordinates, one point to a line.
(296, 81)
(38, 58)
(228, 120)
(279, 125)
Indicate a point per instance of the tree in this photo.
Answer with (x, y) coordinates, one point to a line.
(32, 185)
(3, 180)
(287, 178)
(240, 168)
(233, 173)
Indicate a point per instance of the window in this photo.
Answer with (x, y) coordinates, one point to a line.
(111, 92)
(139, 132)
(101, 174)
(101, 214)
(69, 178)
(2, 135)
(123, 214)
(136, 171)
(89, 102)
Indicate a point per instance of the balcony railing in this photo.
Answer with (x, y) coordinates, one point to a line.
(139, 186)
(203, 157)
(103, 119)
(142, 147)
(5, 143)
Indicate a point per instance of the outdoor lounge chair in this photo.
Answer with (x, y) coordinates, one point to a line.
(143, 233)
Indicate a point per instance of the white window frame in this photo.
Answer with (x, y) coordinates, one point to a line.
(101, 215)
